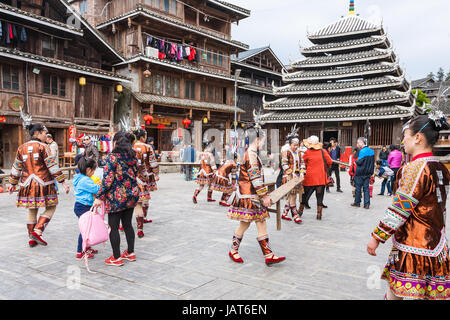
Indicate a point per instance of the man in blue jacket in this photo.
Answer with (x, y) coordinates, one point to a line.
(364, 170)
(188, 156)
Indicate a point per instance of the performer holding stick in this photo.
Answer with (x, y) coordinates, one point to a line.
(252, 199)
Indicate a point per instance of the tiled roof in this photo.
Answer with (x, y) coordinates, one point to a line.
(232, 6)
(352, 100)
(347, 71)
(186, 103)
(183, 67)
(151, 14)
(340, 59)
(351, 24)
(26, 15)
(345, 45)
(341, 86)
(60, 64)
(338, 114)
(255, 88)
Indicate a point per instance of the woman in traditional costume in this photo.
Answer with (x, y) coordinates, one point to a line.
(292, 165)
(252, 199)
(418, 265)
(225, 179)
(35, 171)
(143, 178)
(205, 176)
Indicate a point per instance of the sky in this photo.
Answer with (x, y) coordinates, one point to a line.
(419, 30)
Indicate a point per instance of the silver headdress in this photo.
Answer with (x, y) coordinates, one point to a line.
(124, 124)
(293, 135)
(26, 118)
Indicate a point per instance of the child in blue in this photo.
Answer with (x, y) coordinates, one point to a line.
(85, 189)
(385, 173)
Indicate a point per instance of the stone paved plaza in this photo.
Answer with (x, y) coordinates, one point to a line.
(184, 254)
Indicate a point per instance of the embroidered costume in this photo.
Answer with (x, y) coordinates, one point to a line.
(152, 167)
(205, 175)
(418, 265)
(35, 171)
(292, 165)
(222, 182)
(246, 205)
(207, 168)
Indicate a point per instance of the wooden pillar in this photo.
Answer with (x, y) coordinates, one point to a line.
(197, 135)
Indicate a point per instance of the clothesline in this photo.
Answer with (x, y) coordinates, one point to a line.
(181, 44)
(33, 28)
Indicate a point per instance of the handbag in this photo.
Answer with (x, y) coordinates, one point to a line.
(330, 180)
(94, 230)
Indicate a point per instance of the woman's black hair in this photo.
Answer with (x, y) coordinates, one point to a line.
(124, 141)
(140, 133)
(428, 128)
(379, 162)
(35, 127)
(85, 163)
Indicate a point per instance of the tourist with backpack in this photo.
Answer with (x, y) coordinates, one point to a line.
(385, 173)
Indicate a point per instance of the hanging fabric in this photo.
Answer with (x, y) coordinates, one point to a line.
(23, 34)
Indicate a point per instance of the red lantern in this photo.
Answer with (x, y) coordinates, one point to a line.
(186, 122)
(161, 126)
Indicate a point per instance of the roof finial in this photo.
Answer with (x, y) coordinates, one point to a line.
(352, 7)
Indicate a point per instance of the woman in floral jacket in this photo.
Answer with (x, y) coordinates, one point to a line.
(120, 194)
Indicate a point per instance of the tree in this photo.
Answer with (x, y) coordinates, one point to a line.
(421, 98)
(431, 75)
(447, 78)
(440, 75)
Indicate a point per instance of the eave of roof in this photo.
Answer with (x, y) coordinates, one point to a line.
(92, 30)
(153, 15)
(312, 102)
(343, 59)
(44, 21)
(346, 45)
(239, 10)
(353, 114)
(60, 64)
(350, 71)
(338, 87)
(184, 103)
(349, 25)
(241, 64)
(185, 68)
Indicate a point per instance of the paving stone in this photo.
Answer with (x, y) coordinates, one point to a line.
(184, 254)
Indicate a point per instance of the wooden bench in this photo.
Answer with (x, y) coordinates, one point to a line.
(277, 210)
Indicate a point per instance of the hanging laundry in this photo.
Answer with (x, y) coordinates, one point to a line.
(161, 46)
(161, 56)
(23, 35)
(1, 29)
(192, 54)
(149, 41)
(179, 53)
(187, 52)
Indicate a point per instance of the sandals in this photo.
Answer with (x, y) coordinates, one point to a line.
(238, 260)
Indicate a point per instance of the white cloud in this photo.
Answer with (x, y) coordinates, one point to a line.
(419, 30)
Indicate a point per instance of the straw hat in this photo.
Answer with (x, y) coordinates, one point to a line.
(313, 143)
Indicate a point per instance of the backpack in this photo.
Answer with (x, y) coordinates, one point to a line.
(93, 229)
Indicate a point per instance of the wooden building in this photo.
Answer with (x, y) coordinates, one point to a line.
(57, 68)
(348, 76)
(433, 89)
(262, 68)
(198, 85)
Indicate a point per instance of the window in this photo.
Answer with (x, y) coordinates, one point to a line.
(173, 7)
(54, 85)
(10, 76)
(209, 57)
(189, 92)
(176, 88)
(203, 92)
(83, 7)
(166, 5)
(158, 86)
(156, 4)
(215, 57)
(220, 59)
(48, 47)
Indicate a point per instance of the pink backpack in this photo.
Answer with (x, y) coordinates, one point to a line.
(93, 228)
